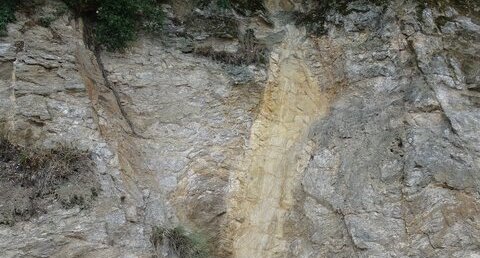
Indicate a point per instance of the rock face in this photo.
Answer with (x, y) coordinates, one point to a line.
(363, 142)
(279, 150)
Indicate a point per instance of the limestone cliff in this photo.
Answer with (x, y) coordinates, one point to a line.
(271, 139)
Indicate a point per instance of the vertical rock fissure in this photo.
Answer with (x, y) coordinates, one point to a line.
(279, 151)
(88, 39)
(115, 93)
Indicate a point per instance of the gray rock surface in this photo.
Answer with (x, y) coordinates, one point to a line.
(396, 172)
(364, 142)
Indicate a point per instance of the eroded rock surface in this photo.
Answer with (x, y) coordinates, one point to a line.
(363, 142)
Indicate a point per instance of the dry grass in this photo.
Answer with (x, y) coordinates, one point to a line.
(42, 169)
(250, 52)
(32, 178)
(182, 243)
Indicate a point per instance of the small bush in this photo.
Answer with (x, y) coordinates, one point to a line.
(246, 7)
(83, 6)
(224, 4)
(117, 22)
(183, 243)
(7, 14)
(46, 21)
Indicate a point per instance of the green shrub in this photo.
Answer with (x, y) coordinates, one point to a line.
(183, 243)
(7, 14)
(246, 7)
(117, 22)
(46, 21)
(223, 4)
(116, 25)
(83, 6)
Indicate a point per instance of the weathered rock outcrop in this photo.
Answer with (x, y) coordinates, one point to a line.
(363, 142)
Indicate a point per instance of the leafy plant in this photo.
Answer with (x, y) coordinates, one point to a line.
(119, 21)
(83, 6)
(246, 7)
(153, 16)
(45, 21)
(7, 14)
(223, 4)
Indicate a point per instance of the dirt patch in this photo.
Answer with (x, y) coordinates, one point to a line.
(33, 179)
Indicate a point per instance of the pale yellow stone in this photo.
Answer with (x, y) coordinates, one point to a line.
(292, 102)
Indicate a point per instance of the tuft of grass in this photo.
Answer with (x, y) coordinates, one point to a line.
(116, 24)
(32, 177)
(315, 20)
(42, 169)
(46, 21)
(182, 243)
(223, 4)
(245, 7)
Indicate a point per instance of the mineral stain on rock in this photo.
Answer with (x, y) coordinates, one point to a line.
(279, 150)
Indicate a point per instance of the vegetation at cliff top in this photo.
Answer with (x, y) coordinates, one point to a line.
(316, 18)
(7, 9)
(117, 22)
(242, 6)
